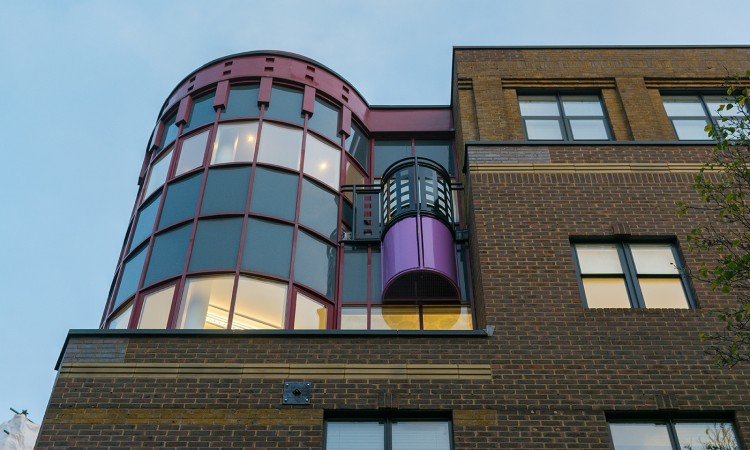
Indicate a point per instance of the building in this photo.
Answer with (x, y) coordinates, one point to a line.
(501, 272)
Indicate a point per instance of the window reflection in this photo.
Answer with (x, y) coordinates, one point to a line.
(120, 322)
(158, 173)
(191, 153)
(309, 314)
(322, 161)
(280, 146)
(259, 305)
(205, 303)
(235, 142)
(156, 306)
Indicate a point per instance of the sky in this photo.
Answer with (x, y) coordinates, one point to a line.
(82, 83)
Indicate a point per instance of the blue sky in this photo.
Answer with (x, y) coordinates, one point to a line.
(84, 80)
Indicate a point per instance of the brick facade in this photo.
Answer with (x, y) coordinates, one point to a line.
(545, 373)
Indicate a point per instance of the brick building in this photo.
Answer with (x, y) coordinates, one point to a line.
(306, 270)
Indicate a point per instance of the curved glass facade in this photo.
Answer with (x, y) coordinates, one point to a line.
(241, 218)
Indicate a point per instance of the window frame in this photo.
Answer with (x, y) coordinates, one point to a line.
(670, 420)
(562, 119)
(707, 114)
(629, 273)
(388, 419)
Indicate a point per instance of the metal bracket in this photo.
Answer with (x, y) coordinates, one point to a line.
(297, 392)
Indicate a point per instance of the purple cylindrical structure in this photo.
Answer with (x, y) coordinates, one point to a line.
(419, 260)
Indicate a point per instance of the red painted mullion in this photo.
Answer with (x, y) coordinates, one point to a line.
(338, 286)
(172, 322)
(245, 220)
(291, 298)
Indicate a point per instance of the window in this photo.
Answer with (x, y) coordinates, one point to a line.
(631, 275)
(563, 117)
(673, 434)
(691, 113)
(391, 433)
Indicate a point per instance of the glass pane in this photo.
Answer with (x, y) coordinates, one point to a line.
(654, 259)
(714, 101)
(168, 254)
(606, 293)
(598, 258)
(394, 318)
(280, 146)
(274, 193)
(663, 293)
(242, 102)
(582, 105)
(121, 321)
(235, 142)
(319, 209)
(217, 244)
(358, 145)
(353, 318)
(181, 200)
(355, 275)
(683, 106)
(322, 161)
(156, 306)
(146, 219)
(351, 435)
(170, 131)
(463, 272)
(286, 104)
(538, 105)
(309, 314)
(421, 435)
(640, 436)
(547, 129)
(131, 275)
(691, 130)
(353, 176)
(226, 190)
(259, 305)
(315, 263)
(388, 152)
(446, 318)
(268, 247)
(191, 153)
(158, 173)
(594, 129)
(325, 120)
(439, 151)
(202, 112)
(706, 436)
(376, 283)
(205, 303)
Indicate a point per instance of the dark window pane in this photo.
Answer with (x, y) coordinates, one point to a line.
(242, 102)
(226, 190)
(181, 200)
(357, 145)
(315, 263)
(170, 131)
(325, 120)
(463, 272)
(388, 152)
(376, 287)
(131, 275)
(202, 112)
(146, 218)
(439, 151)
(319, 209)
(286, 104)
(168, 255)
(217, 243)
(268, 247)
(355, 275)
(274, 193)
